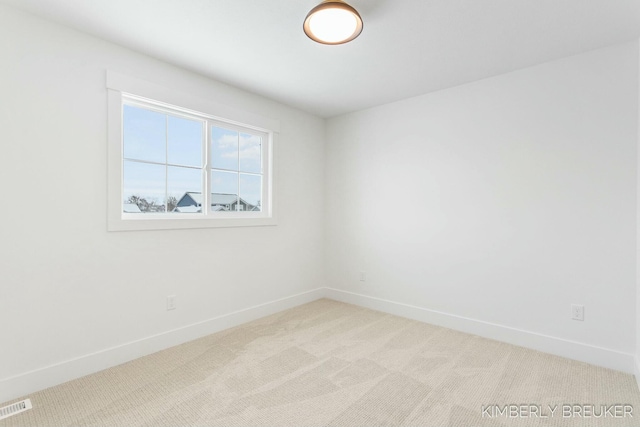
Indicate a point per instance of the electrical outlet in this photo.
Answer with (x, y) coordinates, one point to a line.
(171, 302)
(363, 276)
(577, 312)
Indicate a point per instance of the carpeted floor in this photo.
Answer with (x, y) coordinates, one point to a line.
(332, 364)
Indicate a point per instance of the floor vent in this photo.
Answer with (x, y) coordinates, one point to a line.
(15, 408)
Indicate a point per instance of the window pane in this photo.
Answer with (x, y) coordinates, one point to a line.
(144, 187)
(251, 192)
(144, 134)
(250, 153)
(224, 149)
(184, 141)
(224, 190)
(184, 189)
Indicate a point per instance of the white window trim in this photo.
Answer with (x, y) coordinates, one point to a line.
(118, 87)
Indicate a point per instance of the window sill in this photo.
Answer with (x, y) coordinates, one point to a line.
(142, 223)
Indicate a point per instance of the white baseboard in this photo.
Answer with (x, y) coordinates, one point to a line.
(21, 385)
(570, 349)
(29, 382)
(636, 370)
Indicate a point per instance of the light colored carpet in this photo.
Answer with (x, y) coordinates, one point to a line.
(332, 364)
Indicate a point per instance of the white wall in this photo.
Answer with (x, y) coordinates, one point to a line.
(499, 203)
(637, 352)
(68, 287)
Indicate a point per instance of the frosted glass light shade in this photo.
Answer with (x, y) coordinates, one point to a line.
(333, 22)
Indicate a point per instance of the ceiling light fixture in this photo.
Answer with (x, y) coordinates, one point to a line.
(333, 22)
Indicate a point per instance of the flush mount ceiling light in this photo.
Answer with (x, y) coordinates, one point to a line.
(333, 22)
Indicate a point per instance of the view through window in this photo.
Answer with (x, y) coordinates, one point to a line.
(175, 163)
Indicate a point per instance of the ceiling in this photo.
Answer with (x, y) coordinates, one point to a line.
(407, 47)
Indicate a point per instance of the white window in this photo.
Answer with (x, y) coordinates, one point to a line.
(174, 167)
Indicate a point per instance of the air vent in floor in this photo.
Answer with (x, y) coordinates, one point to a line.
(15, 408)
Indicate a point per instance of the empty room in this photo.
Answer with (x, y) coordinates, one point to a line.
(319, 213)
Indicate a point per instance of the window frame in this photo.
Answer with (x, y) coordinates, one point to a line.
(123, 90)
